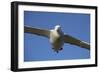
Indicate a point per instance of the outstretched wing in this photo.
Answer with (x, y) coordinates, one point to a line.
(77, 42)
(36, 31)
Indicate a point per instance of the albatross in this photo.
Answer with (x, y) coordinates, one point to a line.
(57, 37)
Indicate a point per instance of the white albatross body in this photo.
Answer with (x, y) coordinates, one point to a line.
(57, 37)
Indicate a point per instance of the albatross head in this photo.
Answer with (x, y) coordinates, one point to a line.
(57, 27)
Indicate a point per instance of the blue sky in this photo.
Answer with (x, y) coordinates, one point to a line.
(38, 48)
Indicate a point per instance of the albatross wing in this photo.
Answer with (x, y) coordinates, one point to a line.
(37, 31)
(77, 42)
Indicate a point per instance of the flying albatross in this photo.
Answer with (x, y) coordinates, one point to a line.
(57, 37)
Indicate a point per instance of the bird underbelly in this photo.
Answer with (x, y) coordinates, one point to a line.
(56, 40)
(57, 43)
